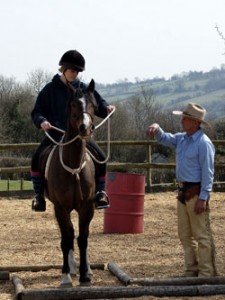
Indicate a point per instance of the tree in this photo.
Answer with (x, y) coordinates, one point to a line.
(17, 125)
(7, 87)
(220, 34)
(142, 110)
(37, 79)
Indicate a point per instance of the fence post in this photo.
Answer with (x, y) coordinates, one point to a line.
(21, 184)
(149, 173)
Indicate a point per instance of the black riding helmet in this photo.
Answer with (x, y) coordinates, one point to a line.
(72, 59)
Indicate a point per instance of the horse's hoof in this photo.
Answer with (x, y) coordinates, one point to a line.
(66, 281)
(86, 281)
(66, 285)
(90, 273)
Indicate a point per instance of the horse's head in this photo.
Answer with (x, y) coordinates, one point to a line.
(82, 108)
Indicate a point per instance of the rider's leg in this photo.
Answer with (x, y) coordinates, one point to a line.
(38, 203)
(101, 198)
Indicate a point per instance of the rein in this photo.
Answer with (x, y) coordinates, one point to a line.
(83, 162)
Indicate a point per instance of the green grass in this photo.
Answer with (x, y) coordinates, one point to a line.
(15, 185)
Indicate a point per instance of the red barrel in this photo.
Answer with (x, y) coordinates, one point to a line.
(126, 211)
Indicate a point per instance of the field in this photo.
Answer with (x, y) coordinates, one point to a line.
(15, 185)
(29, 238)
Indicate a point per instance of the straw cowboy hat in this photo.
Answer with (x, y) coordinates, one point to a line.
(193, 111)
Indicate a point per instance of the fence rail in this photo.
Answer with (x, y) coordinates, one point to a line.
(148, 166)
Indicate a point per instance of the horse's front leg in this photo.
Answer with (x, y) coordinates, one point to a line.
(84, 268)
(67, 245)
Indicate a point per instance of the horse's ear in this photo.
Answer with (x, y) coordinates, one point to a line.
(91, 86)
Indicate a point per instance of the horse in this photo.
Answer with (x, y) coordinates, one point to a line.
(70, 183)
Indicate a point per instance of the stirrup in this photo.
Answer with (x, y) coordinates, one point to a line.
(101, 200)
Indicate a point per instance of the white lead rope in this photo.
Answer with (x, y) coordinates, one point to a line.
(67, 168)
(108, 116)
(108, 139)
(61, 141)
(108, 147)
(61, 144)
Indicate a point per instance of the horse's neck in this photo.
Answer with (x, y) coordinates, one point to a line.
(73, 154)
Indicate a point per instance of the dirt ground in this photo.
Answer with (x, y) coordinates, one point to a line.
(29, 238)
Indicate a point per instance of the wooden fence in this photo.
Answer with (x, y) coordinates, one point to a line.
(147, 166)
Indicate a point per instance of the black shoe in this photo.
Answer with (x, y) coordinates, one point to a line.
(38, 203)
(101, 200)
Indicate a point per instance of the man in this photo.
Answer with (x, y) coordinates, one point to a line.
(50, 110)
(194, 174)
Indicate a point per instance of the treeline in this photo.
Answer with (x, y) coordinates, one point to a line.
(130, 121)
(204, 88)
(205, 81)
(16, 102)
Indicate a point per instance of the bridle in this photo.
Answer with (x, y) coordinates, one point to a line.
(61, 144)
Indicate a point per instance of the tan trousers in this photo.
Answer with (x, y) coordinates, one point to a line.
(196, 238)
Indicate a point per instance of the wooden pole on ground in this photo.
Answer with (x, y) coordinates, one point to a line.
(18, 285)
(120, 274)
(114, 292)
(42, 267)
(178, 281)
(4, 275)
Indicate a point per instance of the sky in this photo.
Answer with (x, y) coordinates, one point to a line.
(120, 39)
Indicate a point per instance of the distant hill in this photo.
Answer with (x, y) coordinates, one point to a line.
(207, 89)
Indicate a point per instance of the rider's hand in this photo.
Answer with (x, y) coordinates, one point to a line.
(110, 108)
(46, 125)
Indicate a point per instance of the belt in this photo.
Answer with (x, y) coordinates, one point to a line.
(187, 184)
(187, 190)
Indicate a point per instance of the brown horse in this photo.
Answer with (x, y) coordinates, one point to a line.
(70, 182)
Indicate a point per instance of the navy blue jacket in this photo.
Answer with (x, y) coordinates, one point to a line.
(52, 103)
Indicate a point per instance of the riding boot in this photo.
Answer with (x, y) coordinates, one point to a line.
(101, 198)
(38, 203)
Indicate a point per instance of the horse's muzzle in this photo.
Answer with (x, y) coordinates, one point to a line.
(86, 130)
